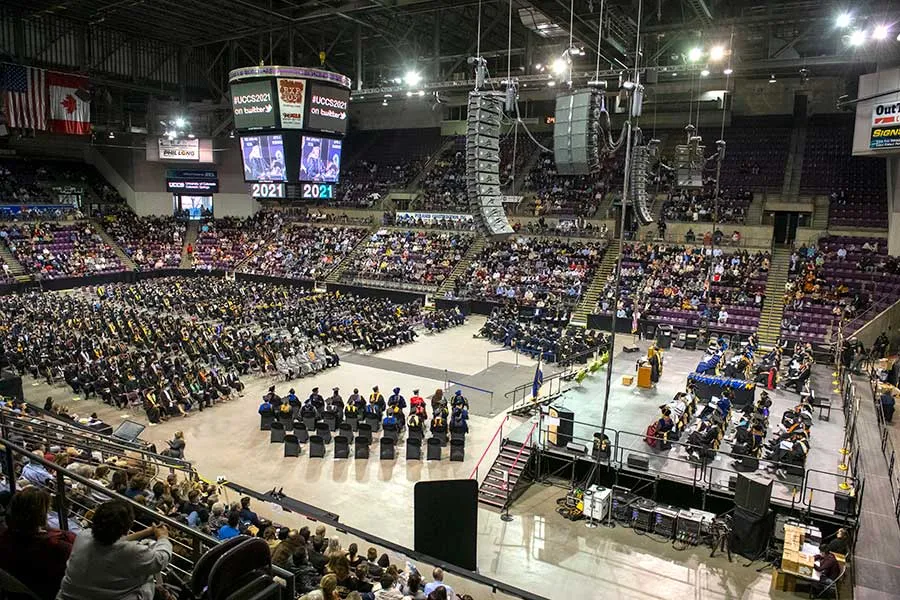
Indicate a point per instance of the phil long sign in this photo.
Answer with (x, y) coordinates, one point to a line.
(254, 106)
(885, 126)
(291, 93)
(187, 150)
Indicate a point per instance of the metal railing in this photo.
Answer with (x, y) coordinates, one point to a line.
(497, 436)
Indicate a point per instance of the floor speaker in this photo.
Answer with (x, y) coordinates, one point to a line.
(752, 493)
(750, 533)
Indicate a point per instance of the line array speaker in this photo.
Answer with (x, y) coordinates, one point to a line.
(576, 133)
(690, 158)
(483, 163)
(640, 167)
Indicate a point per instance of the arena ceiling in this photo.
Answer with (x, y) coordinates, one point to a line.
(394, 36)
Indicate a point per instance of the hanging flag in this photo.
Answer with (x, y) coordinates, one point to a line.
(538, 380)
(24, 96)
(68, 112)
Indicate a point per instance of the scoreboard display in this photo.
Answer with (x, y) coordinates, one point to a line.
(291, 121)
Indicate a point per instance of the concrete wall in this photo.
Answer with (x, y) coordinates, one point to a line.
(759, 97)
(888, 320)
(398, 114)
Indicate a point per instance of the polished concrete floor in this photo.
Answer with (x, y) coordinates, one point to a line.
(538, 550)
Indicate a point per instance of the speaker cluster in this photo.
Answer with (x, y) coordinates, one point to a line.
(577, 131)
(483, 163)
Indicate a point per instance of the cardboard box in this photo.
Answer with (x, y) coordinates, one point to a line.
(627, 379)
(790, 560)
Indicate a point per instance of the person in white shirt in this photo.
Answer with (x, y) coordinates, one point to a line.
(438, 576)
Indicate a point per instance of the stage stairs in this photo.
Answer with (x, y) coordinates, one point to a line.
(120, 252)
(589, 300)
(496, 492)
(190, 238)
(770, 319)
(460, 269)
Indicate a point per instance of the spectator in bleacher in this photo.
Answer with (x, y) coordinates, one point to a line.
(110, 564)
(438, 582)
(35, 473)
(30, 551)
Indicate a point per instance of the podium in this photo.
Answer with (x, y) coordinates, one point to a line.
(560, 435)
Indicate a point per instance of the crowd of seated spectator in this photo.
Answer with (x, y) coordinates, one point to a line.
(577, 227)
(302, 251)
(223, 243)
(418, 221)
(417, 258)
(838, 279)
(700, 206)
(577, 195)
(52, 250)
(531, 271)
(150, 242)
(689, 286)
(444, 186)
(367, 182)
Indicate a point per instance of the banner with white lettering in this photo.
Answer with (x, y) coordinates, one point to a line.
(179, 150)
(885, 126)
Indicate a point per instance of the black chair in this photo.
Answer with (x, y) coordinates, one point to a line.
(415, 433)
(324, 432)
(277, 433)
(457, 450)
(413, 449)
(247, 564)
(457, 433)
(309, 419)
(391, 432)
(361, 448)
(200, 574)
(287, 420)
(15, 589)
(441, 435)
(265, 421)
(330, 419)
(388, 449)
(297, 423)
(301, 432)
(341, 446)
(364, 431)
(373, 422)
(291, 445)
(316, 446)
(345, 430)
(352, 421)
(435, 448)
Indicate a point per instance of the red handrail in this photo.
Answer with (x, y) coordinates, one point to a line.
(488, 447)
(527, 443)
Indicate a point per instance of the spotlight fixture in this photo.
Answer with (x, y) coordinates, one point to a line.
(539, 67)
(409, 93)
(551, 83)
(704, 73)
(231, 134)
(412, 78)
(559, 66)
(717, 53)
(191, 136)
(674, 74)
(111, 135)
(857, 38)
(843, 20)
(695, 54)
(180, 122)
(880, 32)
(772, 78)
(728, 71)
(420, 93)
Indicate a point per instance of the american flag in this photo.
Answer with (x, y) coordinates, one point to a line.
(24, 96)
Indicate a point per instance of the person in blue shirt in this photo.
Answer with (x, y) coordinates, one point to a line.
(248, 516)
(292, 398)
(265, 407)
(231, 529)
(397, 399)
(389, 419)
(459, 401)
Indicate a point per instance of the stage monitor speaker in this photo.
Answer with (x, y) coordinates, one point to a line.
(576, 447)
(750, 533)
(446, 521)
(752, 493)
(639, 462)
(844, 503)
(483, 163)
(576, 132)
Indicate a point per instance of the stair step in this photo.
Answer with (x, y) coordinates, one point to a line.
(491, 502)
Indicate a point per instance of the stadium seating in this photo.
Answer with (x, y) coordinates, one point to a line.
(52, 250)
(303, 251)
(150, 242)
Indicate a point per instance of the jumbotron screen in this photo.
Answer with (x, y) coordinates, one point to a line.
(263, 157)
(320, 159)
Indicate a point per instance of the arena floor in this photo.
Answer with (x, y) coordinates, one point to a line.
(536, 551)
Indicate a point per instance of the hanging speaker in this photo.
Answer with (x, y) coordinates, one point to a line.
(576, 133)
(640, 165)
(483, 163)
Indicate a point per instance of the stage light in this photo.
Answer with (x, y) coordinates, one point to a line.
(704, 73)
(191, 136)
(717, 53)
(412, 78)
(409, 94)
(111, 135)
(772, 78)
(857, 38)
(843, 20)
(180, 122)
(421, 93)
(231, 134)
(880, 32)
(551, 83)
(695, 54)
(674, 74)
(559, 66)
(728, 71)
(539, 67)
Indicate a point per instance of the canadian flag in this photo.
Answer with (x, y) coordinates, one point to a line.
(68, 112)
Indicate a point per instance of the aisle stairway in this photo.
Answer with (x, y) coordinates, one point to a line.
(335, 275)
(15, 267)
(416, 181)
(496, 492)
(461, 266)
(595, 288)
(821, 206)
(190, 237)
(123, 256)
(770, 319)
(793, 169)
(755, 210)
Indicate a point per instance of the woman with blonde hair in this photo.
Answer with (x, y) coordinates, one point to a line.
(329, 587)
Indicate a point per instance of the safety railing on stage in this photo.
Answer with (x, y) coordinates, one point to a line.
(553, 384)
(487, 355)
(449, 384)
(498, 437)
(529, 441)
(188, 544)
(887, 450)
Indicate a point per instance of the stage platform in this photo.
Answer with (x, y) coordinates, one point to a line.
(632, 409)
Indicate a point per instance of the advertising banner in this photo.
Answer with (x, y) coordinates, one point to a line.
(254, 104)
(328, 109)
(178, 150)
(885, 126)
(186, 188)
(291, 102)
